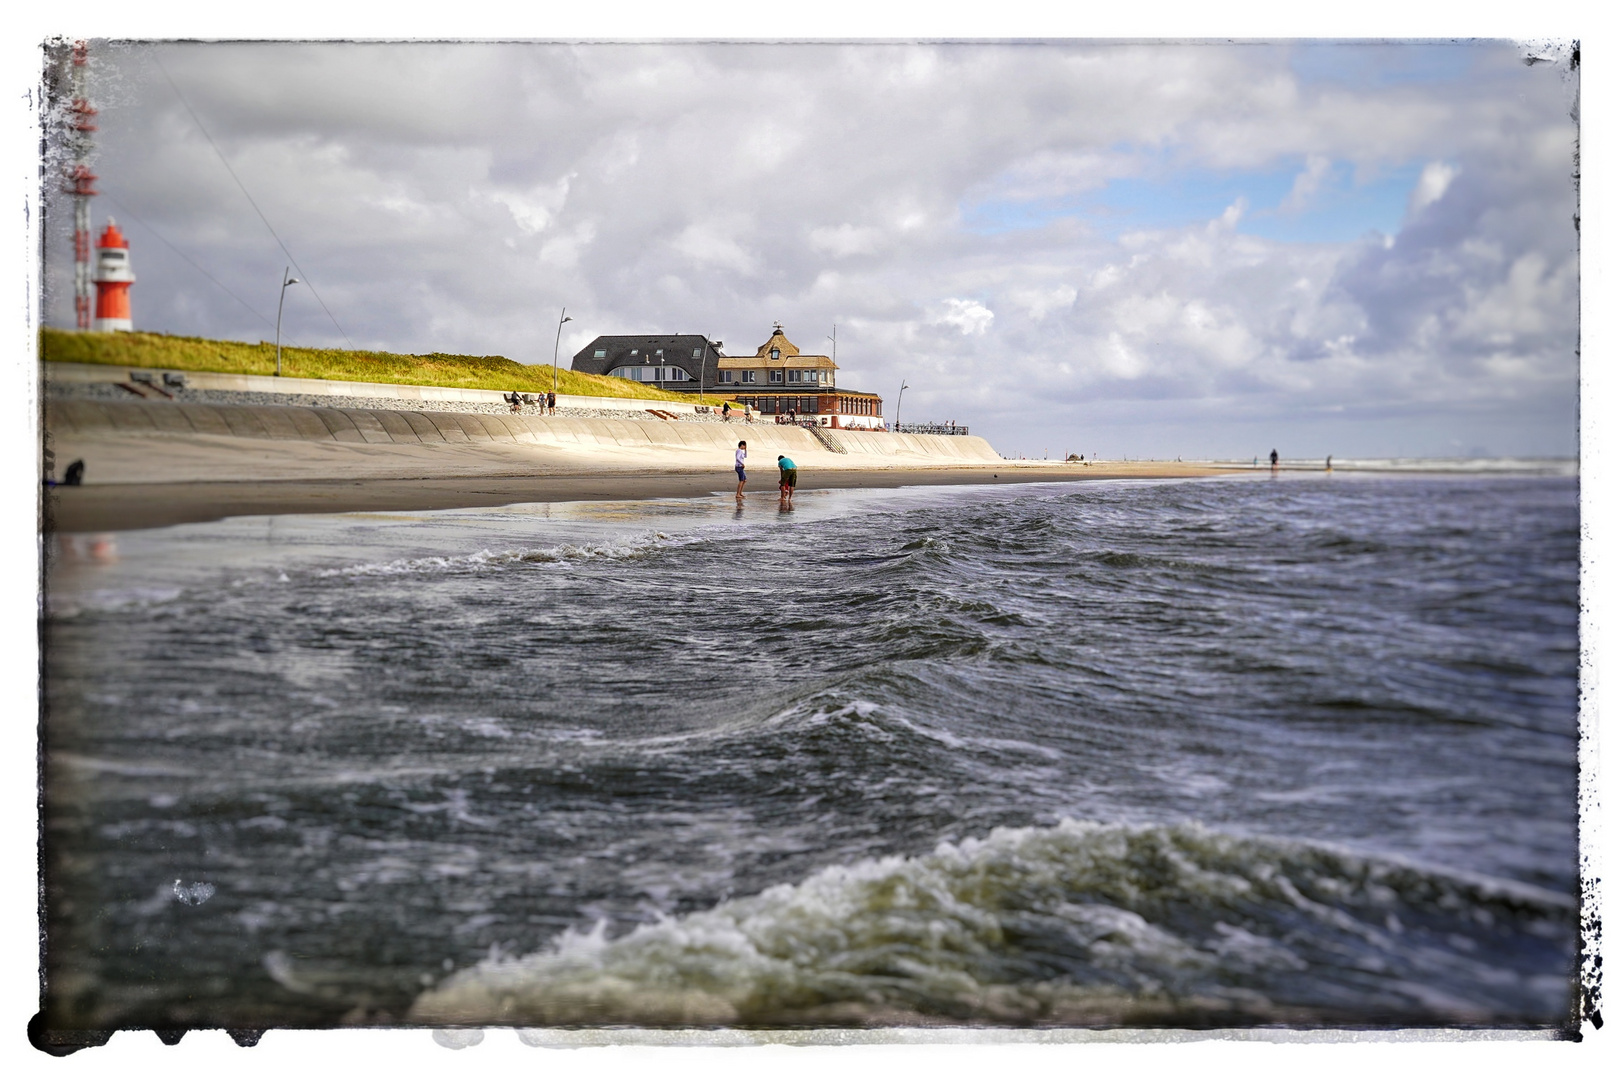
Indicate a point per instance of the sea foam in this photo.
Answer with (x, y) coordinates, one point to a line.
(1077, 923)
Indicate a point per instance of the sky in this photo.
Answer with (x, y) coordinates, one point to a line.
(1142, 250)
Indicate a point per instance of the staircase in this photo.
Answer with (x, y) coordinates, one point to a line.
(827, 439)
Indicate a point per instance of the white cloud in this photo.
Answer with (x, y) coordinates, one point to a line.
(1431, 186)
(535, 208)
(968, 316)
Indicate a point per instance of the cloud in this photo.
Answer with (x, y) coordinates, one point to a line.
(534, 209)
(1041, 302)
(1306, 184)
(845, 240)
(1431, 186)
(968, 316)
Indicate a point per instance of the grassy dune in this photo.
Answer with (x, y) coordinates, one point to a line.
(137, 350)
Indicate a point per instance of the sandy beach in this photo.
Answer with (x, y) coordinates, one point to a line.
(155, 464)
(114, 507)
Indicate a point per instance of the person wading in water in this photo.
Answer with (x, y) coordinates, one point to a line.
(742, 477)
(789, 480)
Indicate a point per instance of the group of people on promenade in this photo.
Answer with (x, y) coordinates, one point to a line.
(747, 411)
(547, 402)
(787, 482)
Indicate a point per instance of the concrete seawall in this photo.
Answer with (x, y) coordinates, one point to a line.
(134, 442)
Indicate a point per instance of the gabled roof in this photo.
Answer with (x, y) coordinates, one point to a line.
(790, 355)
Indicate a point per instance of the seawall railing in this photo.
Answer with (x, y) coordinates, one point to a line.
(930, 429)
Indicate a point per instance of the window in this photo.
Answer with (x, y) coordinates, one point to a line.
(675, 374)
(697, 354)
(601, 354)
(725, 376)
(793, 376)
(776, 354)
(750, 376)
(776, 376)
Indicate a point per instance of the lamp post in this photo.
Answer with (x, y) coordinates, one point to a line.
(898, 399)
(285, 281)
(554, 347)
(703, 363)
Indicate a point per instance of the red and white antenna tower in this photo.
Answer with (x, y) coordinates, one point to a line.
(81, 182)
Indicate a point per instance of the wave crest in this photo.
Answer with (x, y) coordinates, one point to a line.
(1078, 923)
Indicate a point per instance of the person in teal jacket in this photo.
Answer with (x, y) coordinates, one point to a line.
(790, 477)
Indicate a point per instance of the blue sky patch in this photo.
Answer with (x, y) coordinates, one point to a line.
(1340, 210)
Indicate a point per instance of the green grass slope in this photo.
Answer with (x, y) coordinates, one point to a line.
(138, 350)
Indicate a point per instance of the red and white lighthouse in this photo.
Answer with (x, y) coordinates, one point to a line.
(113, 279)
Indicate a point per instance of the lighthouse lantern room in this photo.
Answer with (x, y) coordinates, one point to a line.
(113, 279)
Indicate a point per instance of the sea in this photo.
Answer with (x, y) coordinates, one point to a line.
(1295, 750)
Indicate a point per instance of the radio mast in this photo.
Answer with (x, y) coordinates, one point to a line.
(80, 181)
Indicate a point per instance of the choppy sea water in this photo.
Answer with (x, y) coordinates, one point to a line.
(1207, 752)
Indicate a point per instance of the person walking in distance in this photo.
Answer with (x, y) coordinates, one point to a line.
(1274, 461)
(742, 477)
(551, 403)
(725, 411)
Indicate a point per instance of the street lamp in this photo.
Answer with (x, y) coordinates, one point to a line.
(703, 364)
(285, 281)
(554, 345)
(898, 399)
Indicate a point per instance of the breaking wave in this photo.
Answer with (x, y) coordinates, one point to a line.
(1074, 924)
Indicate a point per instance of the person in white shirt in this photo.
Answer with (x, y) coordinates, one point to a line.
(742, 477)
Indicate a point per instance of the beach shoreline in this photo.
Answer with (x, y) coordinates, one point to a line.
(123, 506)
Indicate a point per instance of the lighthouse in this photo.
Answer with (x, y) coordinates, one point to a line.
(113, 279)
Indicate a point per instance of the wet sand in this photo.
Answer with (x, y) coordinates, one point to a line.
(116, 507)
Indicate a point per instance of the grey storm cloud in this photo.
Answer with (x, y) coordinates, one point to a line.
(455, 197)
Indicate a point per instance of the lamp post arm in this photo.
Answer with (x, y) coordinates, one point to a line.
(554, 347)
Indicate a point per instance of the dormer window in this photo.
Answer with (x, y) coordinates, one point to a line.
(697, 354)
(600, 354)
(776, 354)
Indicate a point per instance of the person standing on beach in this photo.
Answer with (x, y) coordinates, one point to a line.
(789, 480)
(1274, 461)
(742, 477)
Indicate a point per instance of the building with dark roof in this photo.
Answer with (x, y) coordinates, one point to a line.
(777, 380)
(667, 361)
